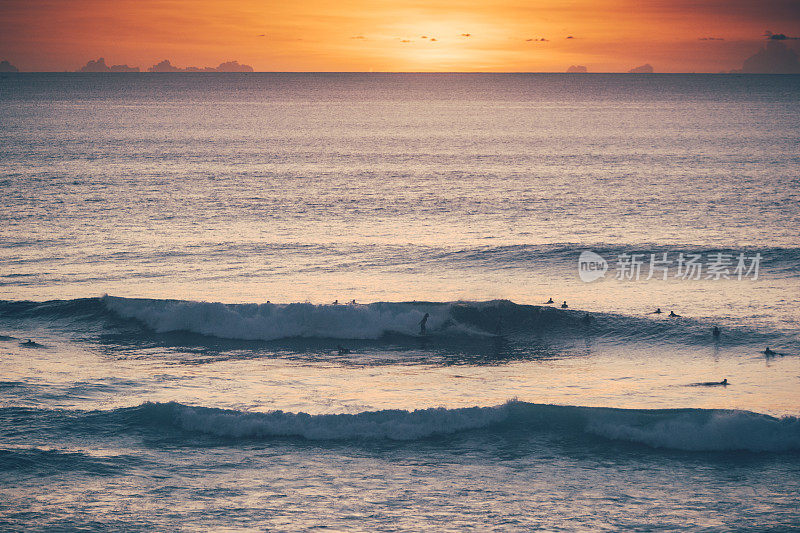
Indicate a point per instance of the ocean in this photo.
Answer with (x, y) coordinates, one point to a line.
(297, 302)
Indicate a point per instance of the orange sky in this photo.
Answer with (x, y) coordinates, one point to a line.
(363, 35)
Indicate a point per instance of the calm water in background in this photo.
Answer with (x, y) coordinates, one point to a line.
(155, 408)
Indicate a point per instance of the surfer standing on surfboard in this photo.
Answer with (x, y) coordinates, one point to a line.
(422, 324)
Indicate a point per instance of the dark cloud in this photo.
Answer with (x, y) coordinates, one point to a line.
(228, 66)
(5, 66)
(644, 69)
(405, 40)
(570, 37)
(466, 35)
(262, 35)
(358, 37)
(774, 58)
(100, 66)
(710, 39)
(577, 69)
(424, 37)
(540, 40)
(433, 39)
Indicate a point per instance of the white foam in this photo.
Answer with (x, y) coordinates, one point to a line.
(388, 424)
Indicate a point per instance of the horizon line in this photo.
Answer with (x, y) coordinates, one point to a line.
(395, 72)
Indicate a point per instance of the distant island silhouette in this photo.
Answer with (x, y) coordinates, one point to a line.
(99, 65)
(644, 69)
(774, 58)
(228, 66)
(5, 66)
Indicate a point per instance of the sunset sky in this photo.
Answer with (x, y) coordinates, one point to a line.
(361, 35)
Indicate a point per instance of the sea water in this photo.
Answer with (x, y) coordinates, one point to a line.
(174, 246)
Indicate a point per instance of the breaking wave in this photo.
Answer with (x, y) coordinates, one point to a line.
(270, 321)
(685, 429)
(678, 429)
(277, 321)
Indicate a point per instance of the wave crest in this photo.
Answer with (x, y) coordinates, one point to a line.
(392, 424)
(679, 429)
(701, 430)
(448, 321)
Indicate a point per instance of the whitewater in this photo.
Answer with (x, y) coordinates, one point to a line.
(223, 279)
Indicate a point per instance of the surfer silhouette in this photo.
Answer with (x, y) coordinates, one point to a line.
(423, 324)
(723, 383)
(656, 312)
(550, 301)
(672, 314)
(769, 353)
(342, 350)
(564, 305)
(715, 332)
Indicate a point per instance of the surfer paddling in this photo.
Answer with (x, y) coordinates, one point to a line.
(723, 383)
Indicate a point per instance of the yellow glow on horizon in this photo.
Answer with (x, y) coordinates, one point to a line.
(356, 35)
